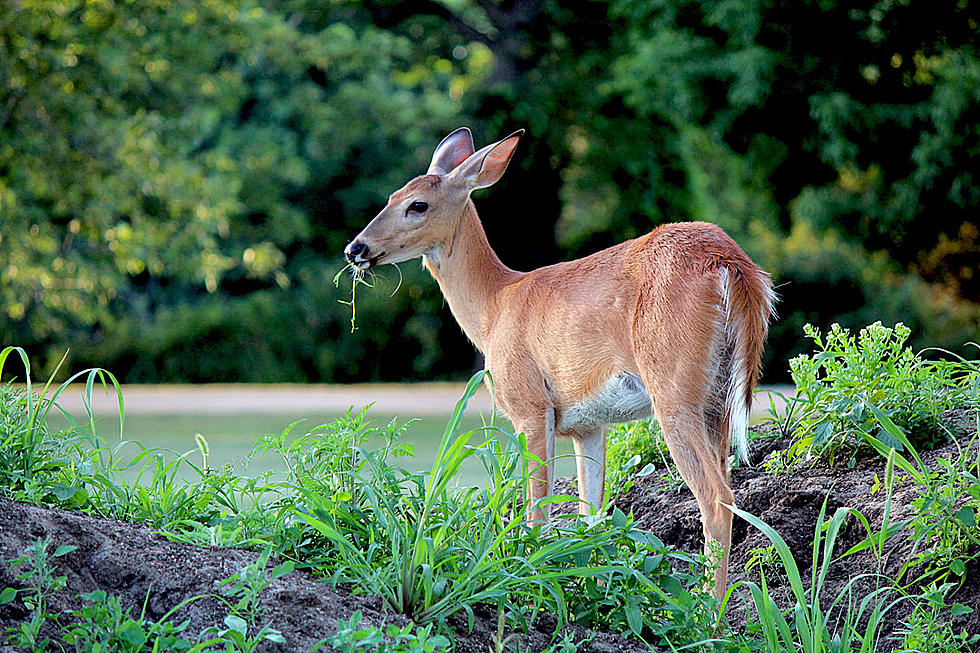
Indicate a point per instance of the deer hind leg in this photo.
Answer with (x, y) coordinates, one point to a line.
(590, 461)
(696, 455)
(683, 361)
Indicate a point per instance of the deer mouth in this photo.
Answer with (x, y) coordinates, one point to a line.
(367, 263)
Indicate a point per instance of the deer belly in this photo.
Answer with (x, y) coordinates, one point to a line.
(623, 398)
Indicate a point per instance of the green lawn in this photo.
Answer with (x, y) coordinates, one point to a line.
(230, 438)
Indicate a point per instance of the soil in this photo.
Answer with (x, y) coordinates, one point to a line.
(140, 565)
(791, 503)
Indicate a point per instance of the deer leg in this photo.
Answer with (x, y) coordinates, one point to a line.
(590, 461)
(541, 447)
(706, 473)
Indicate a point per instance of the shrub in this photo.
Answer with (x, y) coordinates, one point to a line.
(837, 384)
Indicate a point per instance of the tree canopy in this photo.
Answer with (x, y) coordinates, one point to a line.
(178, 179)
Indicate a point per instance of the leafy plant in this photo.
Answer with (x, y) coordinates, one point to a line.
(836, 385)
(636, 449)
(352, 637)
(762, 560)
(247, 585)
(947, 506)
(102, 625)
(639, 585)
(926, 630)
(242, 592)
(41, 584)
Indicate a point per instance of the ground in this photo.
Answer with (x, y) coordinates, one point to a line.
(140, 565)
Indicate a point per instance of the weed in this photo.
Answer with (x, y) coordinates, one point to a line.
(926, 631)
(103, 625)
(637, 449)
(352, 637)
(242, 595)
(638, 585)
(41, 584)
(249, 582)
(566, 643)
(762, 560)
(808, 630)
(947, 506)
(836, 385)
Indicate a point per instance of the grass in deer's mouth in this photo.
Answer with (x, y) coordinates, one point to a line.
(357, 278)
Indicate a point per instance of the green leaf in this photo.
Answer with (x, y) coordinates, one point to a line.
(64, 549)
(958, 610)
(633, 616)
(966, 516)
(7, 595)
(274, 636)
(132, 633)
(281, 570)
(237, 624)
(64, 492)
(618, 518)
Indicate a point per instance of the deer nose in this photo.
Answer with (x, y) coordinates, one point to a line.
(356, 251)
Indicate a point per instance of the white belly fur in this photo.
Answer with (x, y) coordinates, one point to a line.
(623, 398)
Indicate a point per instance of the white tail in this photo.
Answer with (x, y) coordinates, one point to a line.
(672, 322)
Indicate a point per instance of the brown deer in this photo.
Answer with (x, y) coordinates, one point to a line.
(671, 323)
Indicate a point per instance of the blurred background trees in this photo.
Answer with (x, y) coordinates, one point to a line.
(178, 178)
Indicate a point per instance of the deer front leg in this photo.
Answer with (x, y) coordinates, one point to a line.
(541, 447)
(590, 462)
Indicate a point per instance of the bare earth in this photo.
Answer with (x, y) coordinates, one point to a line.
(417, 399)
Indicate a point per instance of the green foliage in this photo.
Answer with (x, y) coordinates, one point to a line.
(103, 626)
(929, 631)
(352, 637)
(433, 550)
(178, 178)
(808, 626)
(636, 449)
(247, 585)
(947, 505)
(837, 384)
(38, 576)
(644, 588)
(429, 548)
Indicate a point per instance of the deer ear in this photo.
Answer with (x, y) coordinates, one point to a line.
(453, 150)
(486, 167)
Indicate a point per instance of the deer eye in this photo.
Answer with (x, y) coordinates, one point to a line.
(418, 207)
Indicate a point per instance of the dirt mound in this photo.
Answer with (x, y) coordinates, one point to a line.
(791, 503)
(138, 564)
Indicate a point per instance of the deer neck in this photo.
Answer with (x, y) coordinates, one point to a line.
(470, 275)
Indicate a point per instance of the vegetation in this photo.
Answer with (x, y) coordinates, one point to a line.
(178, 180)
(435, 552)
(849, 384)
(634, 450)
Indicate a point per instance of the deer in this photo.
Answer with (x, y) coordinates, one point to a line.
(672, 324)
